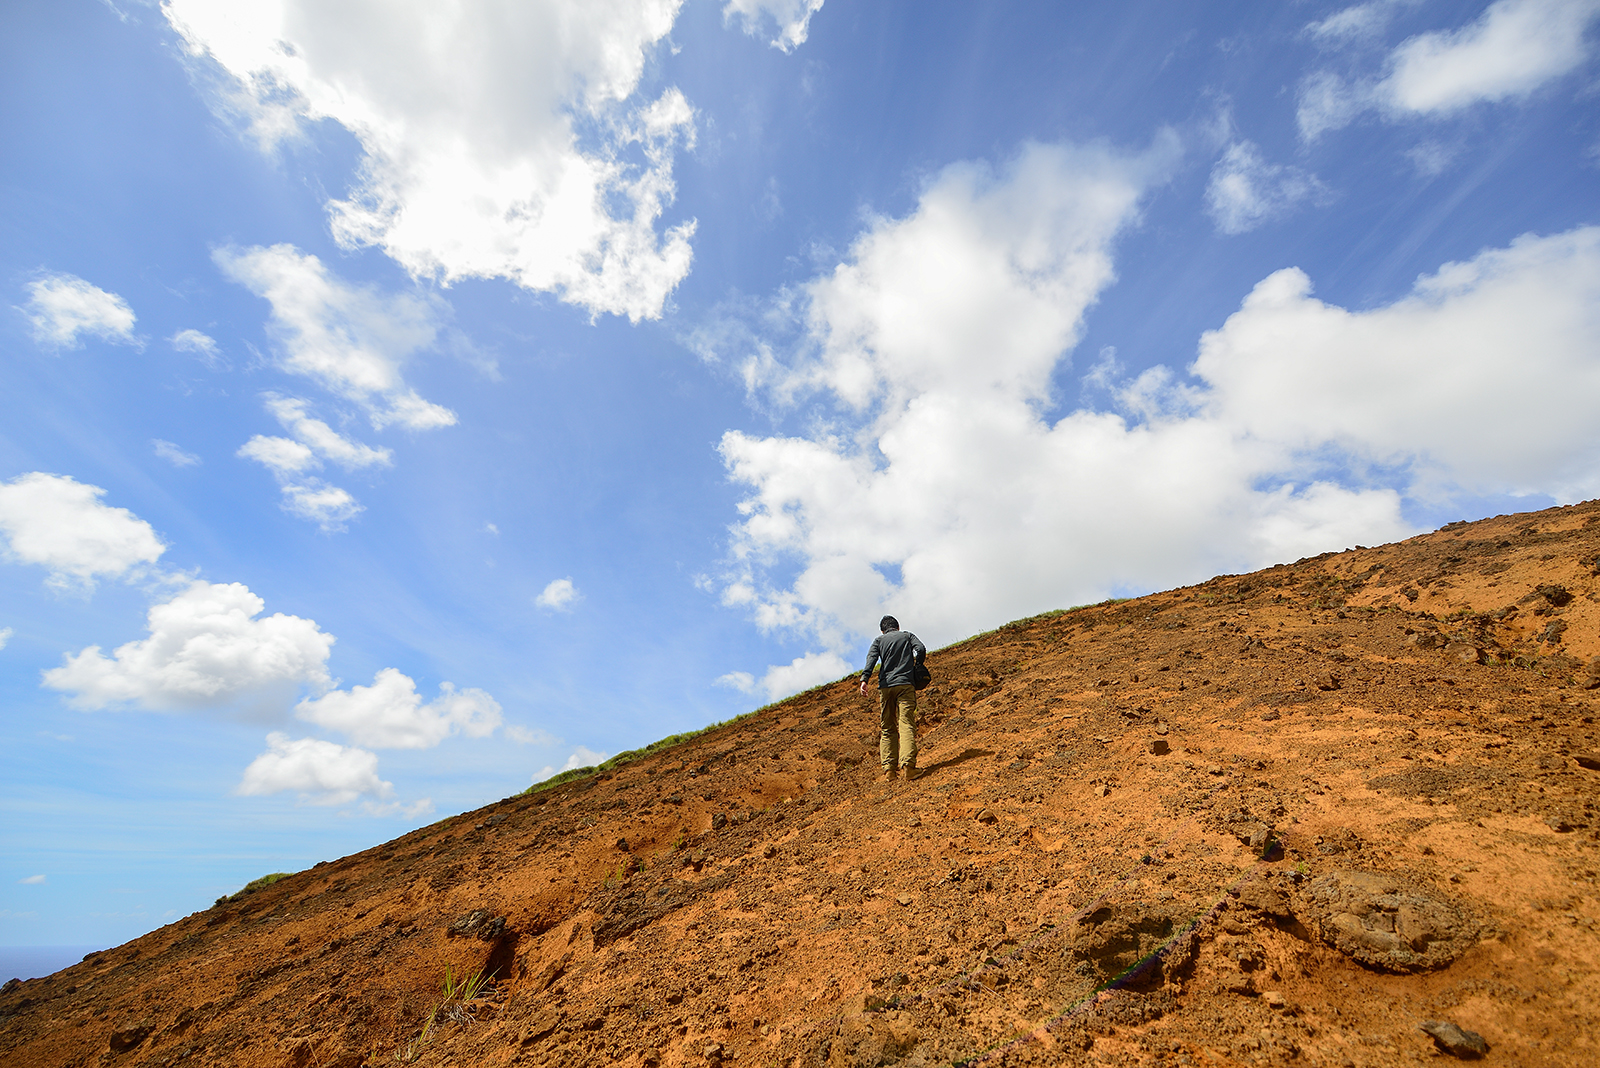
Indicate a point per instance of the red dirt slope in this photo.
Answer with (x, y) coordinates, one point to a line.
(1280, 818)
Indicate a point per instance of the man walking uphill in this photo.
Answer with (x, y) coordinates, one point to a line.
(900, 652)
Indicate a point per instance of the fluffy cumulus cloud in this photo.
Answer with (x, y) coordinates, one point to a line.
(208, 648)
(352, 340)
(62, 525)
(1245, 190)
(558, 596)
(934, 486)
(781, 680)
(321, 773)
(1513, 49)
(390, 714)
(64, 309)
(1484, 379)
(790, 19)
(500, 139)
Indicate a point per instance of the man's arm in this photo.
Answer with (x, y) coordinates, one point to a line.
(872, 662)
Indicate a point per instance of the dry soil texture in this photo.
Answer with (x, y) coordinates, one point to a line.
(1280, 818)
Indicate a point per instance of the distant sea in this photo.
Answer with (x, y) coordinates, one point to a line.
(36, 962)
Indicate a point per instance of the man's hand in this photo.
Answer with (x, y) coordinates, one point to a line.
(863, 687)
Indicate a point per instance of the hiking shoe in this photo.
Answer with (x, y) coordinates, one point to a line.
(911, 774)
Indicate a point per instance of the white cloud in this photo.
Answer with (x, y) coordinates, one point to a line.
(1358, 23)
(353, 340)
(390, 714)
(322, 438)
(61, 525)
(1502, 341)
(413, 810)
(1328, 102)
(1245, 190)
(791, 17)
(32, 880)
(1513, 49)
(582, 757)
(328, 506)
(64, 309)
(558, 596)
(1431, 157)
(936, 489)
(499, 139)
(282, 456)
(742, 681)
(529, 735)
(206, 650)
(322, 773)
(304, 496)
(5, 636)
(290, 458)
(202, 345)
(173, 454)
(781, 680)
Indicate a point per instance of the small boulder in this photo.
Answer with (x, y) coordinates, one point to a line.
(125, 1038)
(986, 816)
(1456, 1041)
(1377, 921)
(479, 923)
(1588, 760)
(1159, 747)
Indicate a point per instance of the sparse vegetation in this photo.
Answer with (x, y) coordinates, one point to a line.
(455, 1007)
(253, 885)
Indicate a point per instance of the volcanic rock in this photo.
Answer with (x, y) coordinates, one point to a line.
(1370, 917)
(1454, 1040)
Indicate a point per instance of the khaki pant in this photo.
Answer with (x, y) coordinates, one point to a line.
(897, 735)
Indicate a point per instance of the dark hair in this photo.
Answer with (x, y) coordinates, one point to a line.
(888, 623)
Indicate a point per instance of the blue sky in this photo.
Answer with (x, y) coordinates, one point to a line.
(396, 411)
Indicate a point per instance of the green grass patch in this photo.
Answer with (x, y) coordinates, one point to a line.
(253, 885)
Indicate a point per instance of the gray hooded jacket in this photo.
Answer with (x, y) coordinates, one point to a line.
(899, 650)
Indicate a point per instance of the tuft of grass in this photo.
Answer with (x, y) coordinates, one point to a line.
(253, 885)
(456, 1006)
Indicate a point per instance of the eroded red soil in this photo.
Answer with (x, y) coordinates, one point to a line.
(1369, 813)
